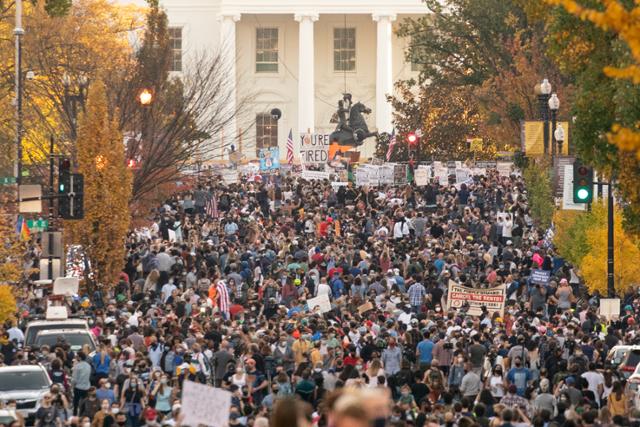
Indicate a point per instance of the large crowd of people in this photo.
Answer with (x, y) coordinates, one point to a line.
(216, 289)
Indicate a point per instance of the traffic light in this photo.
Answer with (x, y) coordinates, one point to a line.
(412, 138)
(582, 183)
(70, 191)
(132, 164)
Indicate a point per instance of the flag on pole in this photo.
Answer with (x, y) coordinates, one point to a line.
(290, 147)
(25, 234)
(392, 143)
(212, 207)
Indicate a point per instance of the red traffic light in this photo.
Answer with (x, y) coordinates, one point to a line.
(412, 138)
(132, 163)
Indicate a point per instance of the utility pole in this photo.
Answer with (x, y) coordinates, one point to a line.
(611, 290)
(18, 32)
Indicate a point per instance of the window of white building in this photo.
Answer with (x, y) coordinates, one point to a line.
(344, 49)
(266, 131)
(175, 43)
(266, 50)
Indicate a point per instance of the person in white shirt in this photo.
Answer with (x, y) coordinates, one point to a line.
(401, 228)
(15, 334)
(595, 380)
(323, 288)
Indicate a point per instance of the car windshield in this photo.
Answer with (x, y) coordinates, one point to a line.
(634, 358)
(32, 331)
(619, 355)
(76, 341)
(30, 380)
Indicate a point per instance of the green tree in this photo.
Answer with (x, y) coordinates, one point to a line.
(540, 192)
(107, 189)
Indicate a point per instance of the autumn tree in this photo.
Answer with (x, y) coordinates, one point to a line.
(8, 305)
(12, 248)
(107, 188)
(186, 115)
(539, 192)
(490, 51)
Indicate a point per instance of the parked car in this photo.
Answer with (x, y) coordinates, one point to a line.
(629, 362)
(76, 338)
(26, 384)
(44, 325)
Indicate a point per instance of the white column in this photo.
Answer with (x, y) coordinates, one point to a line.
(384, 76)
(228, 56)
(306, 80)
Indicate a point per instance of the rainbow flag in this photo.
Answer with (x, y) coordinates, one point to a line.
(22, 229)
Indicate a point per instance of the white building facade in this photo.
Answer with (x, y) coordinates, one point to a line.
(299, 56)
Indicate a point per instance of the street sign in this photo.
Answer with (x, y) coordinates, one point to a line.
(7, 180)
(33, 196)
(36, 225)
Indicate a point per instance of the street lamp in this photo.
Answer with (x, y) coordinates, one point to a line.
(145, 97)
(558, 134)
(554, 106)
(543, 90)
(75, 94)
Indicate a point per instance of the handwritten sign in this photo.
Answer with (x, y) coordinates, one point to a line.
(205, 405)
(321, 301)
(492, 299)
(422, 176)
(314, 175)
(314, 148)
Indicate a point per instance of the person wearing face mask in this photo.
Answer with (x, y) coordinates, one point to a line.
(132, 400)
(163, 394)
(283, 354)
(89, 405)
(105, 391)
(519, 376)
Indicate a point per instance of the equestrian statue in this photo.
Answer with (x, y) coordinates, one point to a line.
(352, 129)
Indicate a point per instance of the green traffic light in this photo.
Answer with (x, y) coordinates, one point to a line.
(62, 188)
(583, 194)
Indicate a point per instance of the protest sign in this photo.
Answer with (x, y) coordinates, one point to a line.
(493, 299)
(400, 175)
(504, 168)
(321, 301)
(202, 404)
(610, 308)
(462, 176)
(365, 307)
(362, 177)
(386, 174)
(540, 277)
(314, 175)
(422, 176)
(229, 176)
(314, 148)
(269, 158)
(67, 286)
(486, 164)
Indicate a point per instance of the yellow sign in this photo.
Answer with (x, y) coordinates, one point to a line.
(475, 144)
(533, 137)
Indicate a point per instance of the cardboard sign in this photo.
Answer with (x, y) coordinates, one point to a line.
(365, 307)
(314, 148)
(400, 175)
(610, 308)
(321, 301)
(205, 405)
(493, 299)
(540, 277)
(67, 286)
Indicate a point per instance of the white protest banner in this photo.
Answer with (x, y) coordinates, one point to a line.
(321, 301)
(202, 404)
(314, 148)
(504, 168)
(442, 174)
(493, 299)
(462, 175)
(422, 175)
(540, 277)
(337, 184)
(386, 174)
(67, 286)
(400, 175)
(314, 175)
(362, 177)
(610, 308)
(229, 176)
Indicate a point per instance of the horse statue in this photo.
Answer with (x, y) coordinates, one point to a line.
(352, 128)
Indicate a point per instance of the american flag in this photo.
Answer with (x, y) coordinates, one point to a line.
(223, 297)
(290, 147)
(212, 207)
(392, 143)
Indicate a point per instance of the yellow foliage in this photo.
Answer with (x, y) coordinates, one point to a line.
(107, 189)
(8, 305)
(593, 266)
(12, 248)
(625, 22)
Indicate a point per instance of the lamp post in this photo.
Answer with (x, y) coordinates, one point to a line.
(558, 134)
(543, 90)
(18, 32)
(75, 95)
(554, 106)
